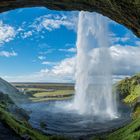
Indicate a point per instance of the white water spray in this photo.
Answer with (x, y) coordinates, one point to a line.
(93, 74)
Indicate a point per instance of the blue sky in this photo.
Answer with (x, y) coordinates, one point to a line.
(38, 45)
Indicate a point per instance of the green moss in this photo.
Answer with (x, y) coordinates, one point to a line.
(129, 89)
(129, 132)
(131, 98)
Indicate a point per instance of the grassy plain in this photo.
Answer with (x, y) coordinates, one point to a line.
(38, 92)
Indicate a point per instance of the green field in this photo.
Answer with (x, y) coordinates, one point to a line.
(38, 92)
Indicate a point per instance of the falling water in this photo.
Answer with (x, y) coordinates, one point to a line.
(93, 73)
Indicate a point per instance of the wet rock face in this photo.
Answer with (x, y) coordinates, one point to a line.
(11, 107)
(126, 12)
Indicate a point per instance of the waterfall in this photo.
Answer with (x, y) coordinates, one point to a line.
(93, 70)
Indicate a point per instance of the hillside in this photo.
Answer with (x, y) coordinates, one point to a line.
(14, 123)
(7, 88)
(129, 89)
(129, 92)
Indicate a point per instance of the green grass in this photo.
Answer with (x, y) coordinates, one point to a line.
(129, 89)
(49, 99)
(129, 132)
(53, 93)
(34, 89)
(40, 94)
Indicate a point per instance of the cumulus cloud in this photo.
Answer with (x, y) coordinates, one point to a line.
(125, 59)
(65, 67)
(7, 32)
(8, 54)
(62, 71)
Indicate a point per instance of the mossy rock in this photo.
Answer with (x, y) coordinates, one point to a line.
(129, 89)
(5, 99)
(136, 111)
(11, 107)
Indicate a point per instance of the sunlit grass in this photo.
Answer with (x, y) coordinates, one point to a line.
(54, 93)
(36, 93)
(49, 99)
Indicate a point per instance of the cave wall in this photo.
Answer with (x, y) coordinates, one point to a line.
(126, 12)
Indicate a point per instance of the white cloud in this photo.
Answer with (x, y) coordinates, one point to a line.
(49, 22)
(7, 33)
(46, 51)
(65, 67)
(72, 50)
(46, 63)
(27, 34)
(8, 54)
(54, 21)
(125, 59)
(61, 72)
(49, 63)
(114, 38)
(41, 57)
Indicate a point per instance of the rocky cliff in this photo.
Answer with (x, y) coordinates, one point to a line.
(129, 91)
(126, 12)
(7, 88)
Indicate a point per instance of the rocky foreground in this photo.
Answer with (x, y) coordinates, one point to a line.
(14, 120)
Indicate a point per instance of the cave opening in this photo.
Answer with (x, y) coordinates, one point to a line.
(38, 55)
